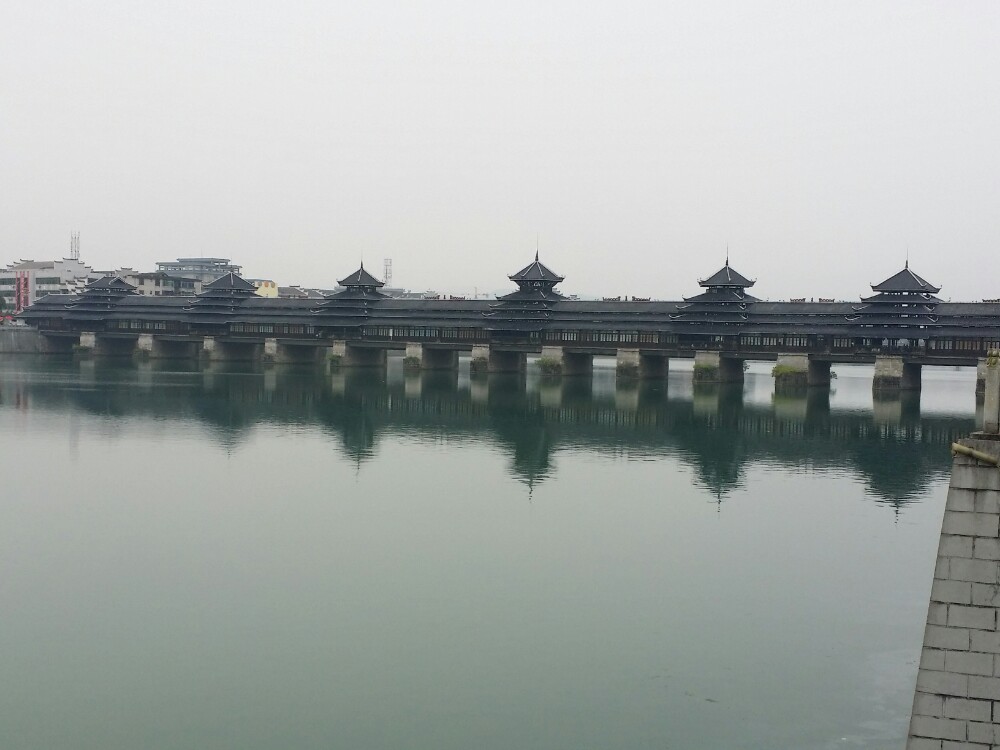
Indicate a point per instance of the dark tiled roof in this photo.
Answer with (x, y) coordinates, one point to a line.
(906, 281)
(536, 271)
(109, 283)
(727, 276)
(361, 278)
(230, 282)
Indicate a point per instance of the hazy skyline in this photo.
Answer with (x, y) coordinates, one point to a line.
(820, 142)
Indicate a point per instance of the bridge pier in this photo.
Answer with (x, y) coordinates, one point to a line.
(981, 379)
(149, 346)
(712, 367)
(794, 372)
(422, 357)
(214, 350)
(488, 359)
(556, 360)
(91, 345)
(340, 353)
(636, 363)
(278, 353)
(893, 374)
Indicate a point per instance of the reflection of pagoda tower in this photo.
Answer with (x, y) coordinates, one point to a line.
(530, 306)
(903, 295)
(725, 298)
(350, 306)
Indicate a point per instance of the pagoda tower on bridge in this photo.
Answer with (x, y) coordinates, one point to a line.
(903, 295)
(725, 299)
(530, 306)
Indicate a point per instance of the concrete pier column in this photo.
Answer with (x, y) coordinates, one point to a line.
(638, 364)
(278, 353)
(791, 373)
(87, 345)
(503, 361)
(712, 367)
(422, 357)
(413, 358)
(336, 352)
(794, 372)
(980, 379)
(556, 360)
(359, 356)
(480, 360)
(893, 374)
(144, 346)
(819, 374)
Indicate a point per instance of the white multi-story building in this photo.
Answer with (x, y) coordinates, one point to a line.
(203, 269)
(24, 282)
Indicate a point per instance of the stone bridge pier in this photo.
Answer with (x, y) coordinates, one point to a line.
(149, 346)
(280, 353)
(642, 365)
(423, 357)
(712, 367)
(341, 353)
(557, 360)
(490, 359)
(894, 374)
(797, 371)
(214, 350)
(90, 344)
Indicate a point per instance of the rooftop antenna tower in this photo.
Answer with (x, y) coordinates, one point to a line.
(387, 271)
(74, 246)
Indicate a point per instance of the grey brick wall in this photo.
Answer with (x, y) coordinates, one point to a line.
(957, 701)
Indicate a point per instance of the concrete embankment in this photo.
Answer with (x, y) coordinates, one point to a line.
(957, 701)
(21, 340)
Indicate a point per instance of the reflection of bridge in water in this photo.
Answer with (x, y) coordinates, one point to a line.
(893, 448)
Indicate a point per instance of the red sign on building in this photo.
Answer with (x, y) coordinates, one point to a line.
(21, 290)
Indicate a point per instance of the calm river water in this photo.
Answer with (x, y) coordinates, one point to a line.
(284, 558)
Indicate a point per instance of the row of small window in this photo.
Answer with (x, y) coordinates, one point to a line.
(280, 328)
(418, 332)
(790, 341)
(137, 325)
(963, 345)
(616, 337)
(9, 280)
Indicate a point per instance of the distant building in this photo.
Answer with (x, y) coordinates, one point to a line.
(160, 284)
(265, 287)
(298, 292)
(203, 269)
(26, 281)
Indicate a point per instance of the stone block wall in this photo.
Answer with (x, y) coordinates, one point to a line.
(956, 704)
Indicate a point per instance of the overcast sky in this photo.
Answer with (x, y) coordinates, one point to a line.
(819, 141)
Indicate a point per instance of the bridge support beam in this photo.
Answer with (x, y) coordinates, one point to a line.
(149, 346)
(342, 354)
(635, 363)
(507, 361)
(793, 372)
(488, 359)
(289, 354)
(214, 350)
(556, 360)
(893, 374)
(422, 357)
(91, 345)
(712, 367)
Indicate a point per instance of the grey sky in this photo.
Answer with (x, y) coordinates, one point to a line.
(819, 140)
